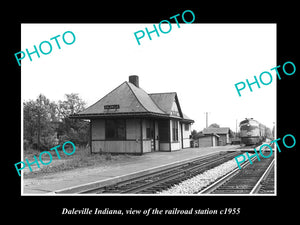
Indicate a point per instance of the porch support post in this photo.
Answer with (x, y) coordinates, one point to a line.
(170, 138)
(141, 126)
(91, 136)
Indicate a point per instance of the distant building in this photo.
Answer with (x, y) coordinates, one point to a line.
(128, 120)
(209, 140)
(222, 132)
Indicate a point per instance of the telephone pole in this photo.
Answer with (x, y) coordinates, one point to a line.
(235, 127)
(206, 113)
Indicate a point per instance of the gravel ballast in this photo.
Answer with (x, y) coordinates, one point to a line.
(197, 183)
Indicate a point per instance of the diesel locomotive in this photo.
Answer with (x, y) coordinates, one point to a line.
(252, 132)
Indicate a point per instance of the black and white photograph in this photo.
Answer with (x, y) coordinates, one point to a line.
(139, 112)
(176, 114)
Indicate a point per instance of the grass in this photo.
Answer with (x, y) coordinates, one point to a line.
(80, 159)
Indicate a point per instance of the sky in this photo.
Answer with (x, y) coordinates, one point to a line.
(201, 62)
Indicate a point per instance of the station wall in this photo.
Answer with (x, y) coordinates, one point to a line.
(152, 139)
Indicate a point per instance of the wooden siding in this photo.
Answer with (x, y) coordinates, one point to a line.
(223, 140)
(156, 136)
(208, 141)
(186, 133)
(205, 141)
(164, 147)
(174, 109)
(133, 130)
(186, 136)
(186, 143)
(133, 143)
(175, 146)
(116, 147)
(180, 135)
(146, 146)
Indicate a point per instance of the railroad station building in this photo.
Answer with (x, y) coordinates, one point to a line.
(129, 120)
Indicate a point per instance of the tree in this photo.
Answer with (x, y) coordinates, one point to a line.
(194, 134)
(46, 121)
(231, 133)
(214, 125)
(29, 122)
(38, 117)
(72, 104)
(74, 130)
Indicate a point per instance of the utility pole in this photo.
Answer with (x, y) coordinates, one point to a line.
(236, 128)
(206, 113)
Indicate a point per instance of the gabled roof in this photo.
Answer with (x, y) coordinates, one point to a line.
(129, 98)
(214, 130)
(145, 100)
(164, 100)
(132, 100)
(187, 119)
(207, 135)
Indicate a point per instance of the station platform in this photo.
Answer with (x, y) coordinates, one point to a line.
(63, 182)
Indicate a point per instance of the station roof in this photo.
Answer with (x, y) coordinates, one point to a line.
(129, 100)
(164, 100)
(215, 130)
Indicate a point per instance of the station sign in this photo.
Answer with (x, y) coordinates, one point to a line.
(111, 106)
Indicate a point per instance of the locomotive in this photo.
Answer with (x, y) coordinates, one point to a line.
(252, 132)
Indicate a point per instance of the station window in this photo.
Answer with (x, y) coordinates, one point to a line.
(115, 129)
(149, 130)
(174, 130)
(186, 127)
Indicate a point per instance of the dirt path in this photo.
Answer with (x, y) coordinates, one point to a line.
(46, 182)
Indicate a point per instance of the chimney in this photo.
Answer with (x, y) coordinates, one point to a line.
(134, 79)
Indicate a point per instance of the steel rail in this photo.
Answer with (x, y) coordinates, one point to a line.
(155, 173)
(143, 176)
(214, 186)
(186, 169)
(258, 185)
(182, 175)
(210, 188)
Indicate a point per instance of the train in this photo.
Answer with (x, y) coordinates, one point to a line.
(252, 132)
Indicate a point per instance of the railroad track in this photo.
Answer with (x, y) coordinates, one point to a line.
(161, 180)
(266, 186)
(256, 178)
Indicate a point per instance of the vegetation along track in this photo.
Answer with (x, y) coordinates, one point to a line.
(161, 180)
(256, 178)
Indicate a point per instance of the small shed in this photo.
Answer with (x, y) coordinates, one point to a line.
(210, 140)
(222, 132)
